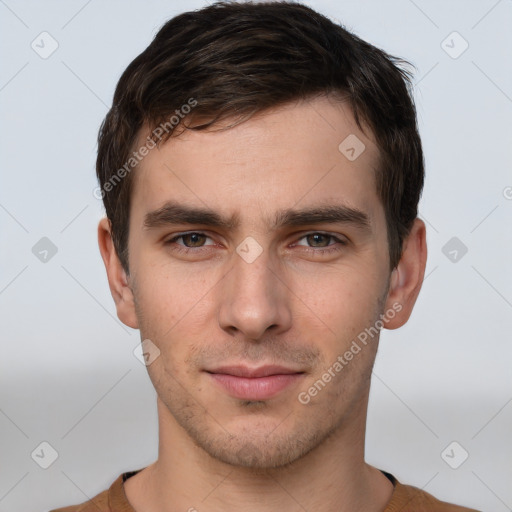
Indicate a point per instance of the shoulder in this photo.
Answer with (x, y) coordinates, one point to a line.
(110, 500)
(407, 498)
(97, 504)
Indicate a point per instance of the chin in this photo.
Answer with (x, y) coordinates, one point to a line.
(261, 446)
(248, 454)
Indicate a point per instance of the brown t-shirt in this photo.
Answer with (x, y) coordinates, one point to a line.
(405, 498)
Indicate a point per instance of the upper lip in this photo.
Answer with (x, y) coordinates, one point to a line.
(261, 371)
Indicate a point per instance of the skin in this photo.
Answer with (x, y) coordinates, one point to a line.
(294, 305)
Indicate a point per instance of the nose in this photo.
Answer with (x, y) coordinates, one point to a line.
(254, 299)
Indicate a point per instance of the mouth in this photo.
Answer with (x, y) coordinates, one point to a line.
(260, 383)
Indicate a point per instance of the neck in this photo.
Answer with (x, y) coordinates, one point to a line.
(332, 477)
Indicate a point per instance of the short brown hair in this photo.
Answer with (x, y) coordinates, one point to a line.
(236, 59)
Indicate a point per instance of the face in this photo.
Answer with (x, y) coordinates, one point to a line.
(258, 256)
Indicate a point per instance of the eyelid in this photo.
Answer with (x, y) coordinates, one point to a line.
(176, 236)
(337, 238)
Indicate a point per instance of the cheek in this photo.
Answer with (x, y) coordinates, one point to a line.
(168, 292)
(338, 305)
(340, 292)
(174, 308)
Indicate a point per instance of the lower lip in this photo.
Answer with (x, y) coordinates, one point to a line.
(256, 388)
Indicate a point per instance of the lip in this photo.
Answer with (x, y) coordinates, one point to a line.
(260, 371)
(260, 383)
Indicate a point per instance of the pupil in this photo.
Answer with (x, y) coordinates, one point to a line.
(194, 238)
(317, 238)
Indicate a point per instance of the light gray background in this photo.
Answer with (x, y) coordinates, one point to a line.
(68, 373)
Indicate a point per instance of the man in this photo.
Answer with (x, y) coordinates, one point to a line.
(261, 170)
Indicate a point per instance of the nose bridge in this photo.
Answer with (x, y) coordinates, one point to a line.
(252, 277)
(253, 299)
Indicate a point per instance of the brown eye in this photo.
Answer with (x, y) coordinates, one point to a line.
(319, 244)
(318, 239)
(193, 239)
(193, 243)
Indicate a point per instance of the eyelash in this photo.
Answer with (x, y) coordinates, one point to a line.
(316, 251)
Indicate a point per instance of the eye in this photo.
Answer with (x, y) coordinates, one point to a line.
(316, 243)
(318, 239)
(190, 241)
(321, 243)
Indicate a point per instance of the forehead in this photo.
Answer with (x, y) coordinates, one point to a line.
(301, 153)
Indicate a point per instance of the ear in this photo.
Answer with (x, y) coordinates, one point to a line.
(407, 277)
(117, 279)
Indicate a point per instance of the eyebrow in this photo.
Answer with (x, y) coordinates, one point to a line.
(172, 213)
